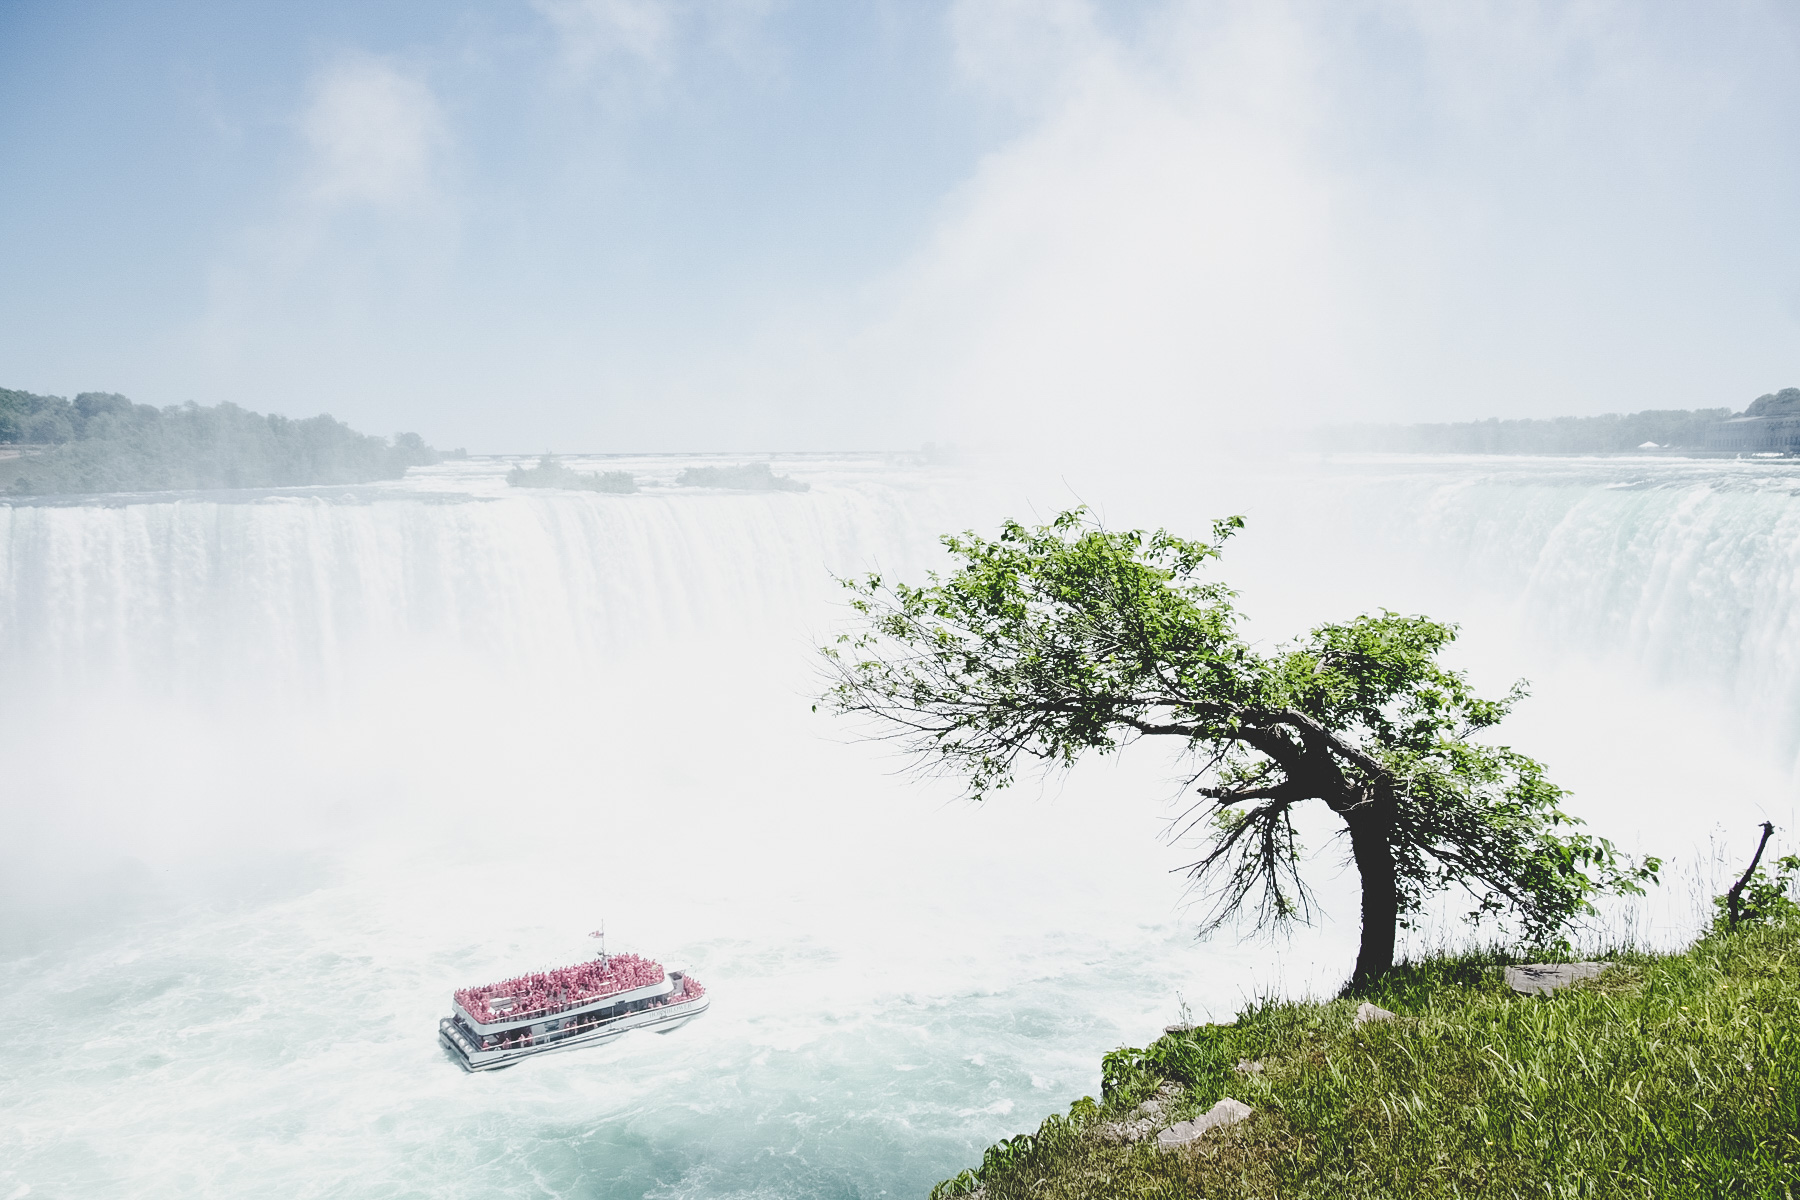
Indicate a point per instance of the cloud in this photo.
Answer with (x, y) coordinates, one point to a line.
(1157, 251)
(650, 35)
(593, 30)
(1021, 50)
(1219, 214)
(1183, 214)
(375, 133)
(334, 290)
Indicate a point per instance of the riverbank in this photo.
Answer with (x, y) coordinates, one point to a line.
(1668, 1075)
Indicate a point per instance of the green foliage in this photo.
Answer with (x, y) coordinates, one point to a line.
(1668, 1076)
(1046, 643)
(104, 443)
(750, 477)
(1766, 897)
(1197, 1058)
(1050, 642)
(1058, 1135)
(551, 474)
(1785, 403)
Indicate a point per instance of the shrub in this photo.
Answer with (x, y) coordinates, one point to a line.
(750, 477)
(551, 474)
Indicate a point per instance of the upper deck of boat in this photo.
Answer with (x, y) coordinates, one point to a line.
(560, 989)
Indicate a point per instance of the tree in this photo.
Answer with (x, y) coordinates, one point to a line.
(1050, 642)
(105, 443)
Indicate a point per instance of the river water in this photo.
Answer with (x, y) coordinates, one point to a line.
(285, 769)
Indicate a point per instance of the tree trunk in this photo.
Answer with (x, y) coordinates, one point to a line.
(1380, 893)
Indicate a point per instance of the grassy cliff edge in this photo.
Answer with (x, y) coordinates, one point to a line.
(1669, 1076)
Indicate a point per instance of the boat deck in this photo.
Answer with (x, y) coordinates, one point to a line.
(478, 1050)
(544, 993)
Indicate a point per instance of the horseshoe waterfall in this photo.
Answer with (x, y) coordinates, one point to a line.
(293, 765)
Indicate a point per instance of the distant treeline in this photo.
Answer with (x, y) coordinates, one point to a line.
(102, 442)
(1680, 428)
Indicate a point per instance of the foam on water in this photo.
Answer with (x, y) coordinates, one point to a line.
(287, 769)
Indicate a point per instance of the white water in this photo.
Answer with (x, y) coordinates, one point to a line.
(283, 771)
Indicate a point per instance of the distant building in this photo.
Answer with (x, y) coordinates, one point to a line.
(1770, 425)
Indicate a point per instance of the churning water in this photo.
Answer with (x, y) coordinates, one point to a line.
(284, 770)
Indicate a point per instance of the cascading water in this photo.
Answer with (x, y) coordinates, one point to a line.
(288, 769)
(1685, 572)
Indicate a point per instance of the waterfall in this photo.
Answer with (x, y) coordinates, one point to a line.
(1684, 575)
(289, 768)
(198, 597)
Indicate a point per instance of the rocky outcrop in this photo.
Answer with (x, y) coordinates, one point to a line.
(1143, 1120)
(1225, 1113)
(1540, 979)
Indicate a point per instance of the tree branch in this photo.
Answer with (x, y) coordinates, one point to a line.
(1300, 720)
(1734, 898)
(1286, 790)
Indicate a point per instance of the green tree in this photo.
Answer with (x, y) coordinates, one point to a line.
(1050, 642)
(105, 443)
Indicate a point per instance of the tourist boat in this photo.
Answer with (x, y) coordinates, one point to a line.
(586, 1004)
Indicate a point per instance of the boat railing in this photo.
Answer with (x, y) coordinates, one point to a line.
(550, 1010)
(691, 988)
(589, 982)
(522, 1039)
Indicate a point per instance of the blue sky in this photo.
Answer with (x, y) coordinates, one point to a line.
(669, 224)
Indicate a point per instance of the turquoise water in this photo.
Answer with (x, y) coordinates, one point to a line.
(285, 770)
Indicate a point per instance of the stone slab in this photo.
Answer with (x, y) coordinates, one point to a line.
(1366, 1012)
(1142, 1121)
(1540, 979)
(1225, 1112)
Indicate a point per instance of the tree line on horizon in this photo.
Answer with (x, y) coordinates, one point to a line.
(1608, 433)
(102, 442)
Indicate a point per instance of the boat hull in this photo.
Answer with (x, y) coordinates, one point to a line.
(469, 1055)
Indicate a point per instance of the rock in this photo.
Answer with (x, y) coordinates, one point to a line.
(1168, 1029)
(1143, 1119)
(1122, 1133)
(1167, 1094)
(1249, 1066)
(1177, 1135)
(1225, 1112)
(1366, 1012)
(1540, 979)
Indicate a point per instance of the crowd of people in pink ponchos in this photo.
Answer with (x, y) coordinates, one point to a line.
(563, 987)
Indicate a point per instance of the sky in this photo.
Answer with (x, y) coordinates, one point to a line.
(607, 225)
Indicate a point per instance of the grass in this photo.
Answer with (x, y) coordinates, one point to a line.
(1668, 1076)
